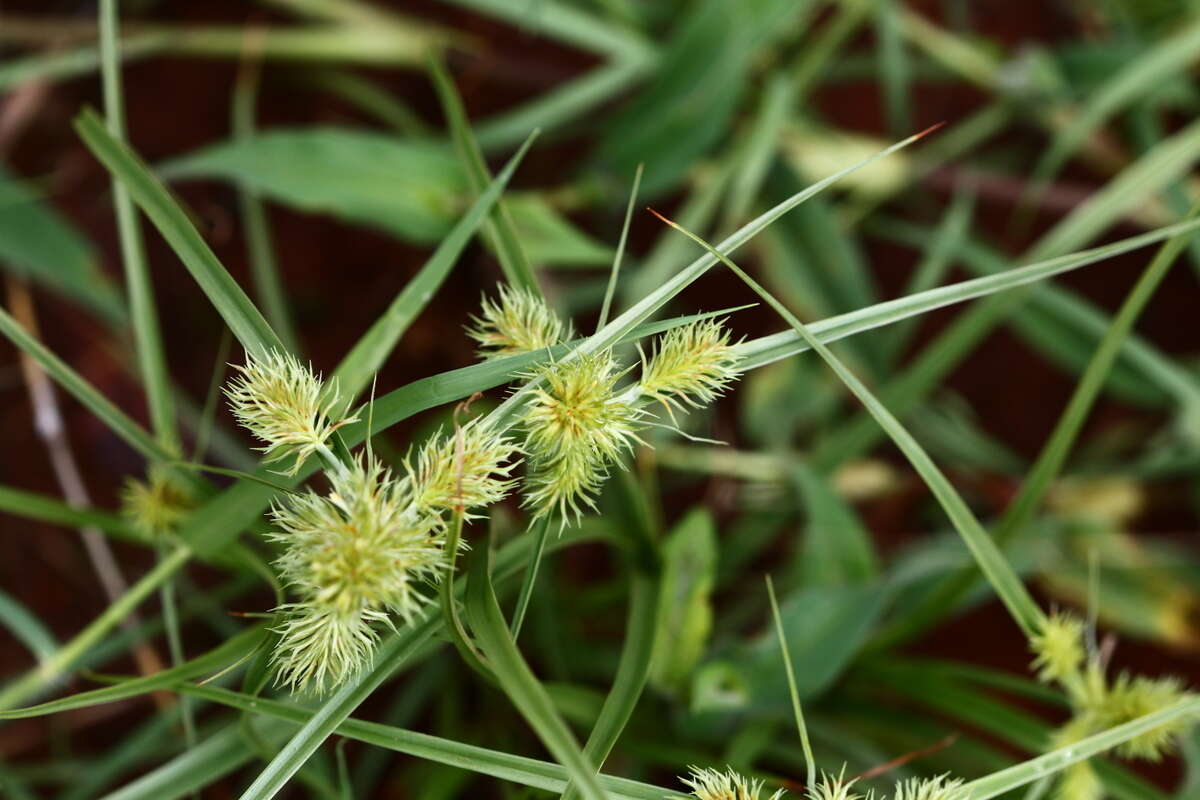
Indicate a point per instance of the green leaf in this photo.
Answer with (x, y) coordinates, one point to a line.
(396, 649)
(499, 231)
(1021, 605)
(411, 188)
(26, 628)
(368, 354)
(38, 243)
(518, 681)
(684, 614)
(517, 769)
(550, 239)
(837, 546)
(212, 661)
(247, 324)
(825, 626)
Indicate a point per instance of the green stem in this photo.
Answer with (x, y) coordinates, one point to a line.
(542, 528)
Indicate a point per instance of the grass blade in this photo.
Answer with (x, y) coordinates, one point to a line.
(1005, 581)
(355, 371)
(246, 322)
(616, 267)
(519, 682)
(499, 229)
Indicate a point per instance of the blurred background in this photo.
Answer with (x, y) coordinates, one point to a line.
(311, 150)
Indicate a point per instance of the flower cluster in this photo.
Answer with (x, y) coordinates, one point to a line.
(518, 321)
(286, 405)
(577, 422)
(1099, 702)
(358, 554)
(156, 507)
(711, 784)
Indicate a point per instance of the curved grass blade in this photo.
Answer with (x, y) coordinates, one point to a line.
(355, 371)
(518, 681)
(26, 628)
(143, 314)
(213, 660)
(1004, 580)
(633, 671)
(1158, 64)
(49, 509)
(246, 322)
(499, 230)
(334, 711)
(504, 766)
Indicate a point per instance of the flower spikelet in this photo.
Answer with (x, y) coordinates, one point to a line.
(941, 787)
(1131, 697)
(155, 507)
(575, 427)
(690, 365)
(1058, 648)
(351, 556)
(518, 321)
(284, 404)
(468, 468)
(1080, 782)
(828, 787)
(712, 784)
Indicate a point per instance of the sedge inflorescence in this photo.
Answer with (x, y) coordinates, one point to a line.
(358, 555)
(712, 784)
(578, 421)
(156, 506)
(285, 405)
(1100, 702)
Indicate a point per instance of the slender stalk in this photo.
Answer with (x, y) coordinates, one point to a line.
(542, 528)
(616, 267)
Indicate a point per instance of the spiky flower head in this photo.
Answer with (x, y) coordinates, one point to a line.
(690, 365)
(1058, 647)
(576, 427)
(942, 787)
(712, 784)
(827, 787)
(517, 321)
(1130, 697)
(156, 507)
(468, 468)
(285, 404)
(352, 557)
(1080, 782)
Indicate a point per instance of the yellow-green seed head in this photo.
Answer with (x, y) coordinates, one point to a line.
(1058, 648)
(351, 557)
(1080, 782)
(827, 787)
(468, 468)
(1131, 697)
(575, 428)
(284, 404)
(691, 365)
(518, 321)
(940, 788)
(712, 784)
(156, 507)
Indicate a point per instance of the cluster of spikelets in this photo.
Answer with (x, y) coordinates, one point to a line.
(1099, 702)
(711, 784)
(157, 506)
(358, 554)
(577, 422)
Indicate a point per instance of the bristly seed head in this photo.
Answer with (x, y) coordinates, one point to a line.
(941, 787)
(1058, 648)
(284, 404)
(712, 784)
(691, 365)
(828, 787)
(1130, 697)
(352, 556)
(156, 507)
(575, 428)
(518, 321)
(469, 468)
